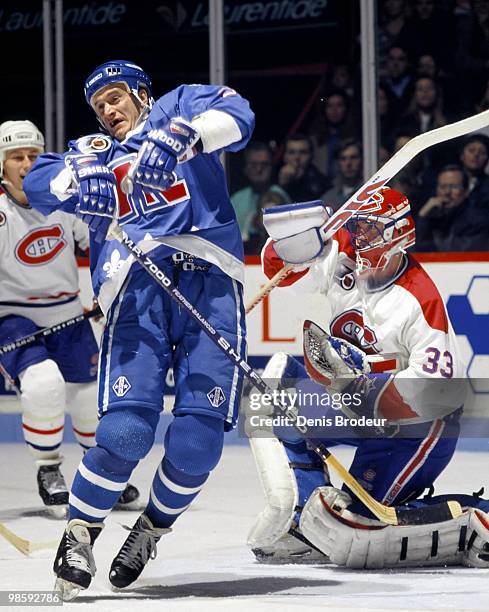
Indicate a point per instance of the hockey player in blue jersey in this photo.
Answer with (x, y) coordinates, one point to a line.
(179, 209)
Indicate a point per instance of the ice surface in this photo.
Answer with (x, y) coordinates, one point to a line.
(205, 563)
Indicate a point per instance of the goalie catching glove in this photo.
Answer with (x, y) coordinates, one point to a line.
(97, 192)
(332, 362)
(162, 149)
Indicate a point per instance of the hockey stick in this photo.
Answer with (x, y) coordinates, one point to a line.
(26, 547)
(391, 516)
(47, 331)
(377, 181)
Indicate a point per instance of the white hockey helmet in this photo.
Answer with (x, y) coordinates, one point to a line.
(19, 135)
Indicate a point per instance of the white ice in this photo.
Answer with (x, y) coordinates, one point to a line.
(205, 563)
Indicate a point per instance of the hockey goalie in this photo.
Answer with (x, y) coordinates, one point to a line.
(391, 344)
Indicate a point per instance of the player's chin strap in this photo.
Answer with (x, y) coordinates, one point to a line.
(353, 541)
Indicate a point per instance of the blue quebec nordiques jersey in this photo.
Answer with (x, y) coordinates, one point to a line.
(194, 215)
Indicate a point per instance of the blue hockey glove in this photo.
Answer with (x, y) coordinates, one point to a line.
(162, 149)
(97, 193)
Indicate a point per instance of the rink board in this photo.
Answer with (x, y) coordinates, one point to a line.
(276, 324)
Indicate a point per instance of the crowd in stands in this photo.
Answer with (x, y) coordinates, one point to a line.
(433, 70)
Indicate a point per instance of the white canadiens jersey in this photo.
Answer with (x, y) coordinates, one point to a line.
(38, 270)
(404, 328)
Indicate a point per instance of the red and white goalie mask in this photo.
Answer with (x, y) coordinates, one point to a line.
(382, 227)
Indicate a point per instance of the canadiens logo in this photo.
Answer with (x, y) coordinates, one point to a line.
(349, 325)
(40, 246)
(3, 219)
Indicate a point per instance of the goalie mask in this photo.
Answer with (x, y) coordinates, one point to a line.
(381, 227)
(19, 135)
(119, 72)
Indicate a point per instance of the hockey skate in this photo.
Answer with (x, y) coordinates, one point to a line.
(137, 550)
(74, 565)
(129, 499)
(52, 487)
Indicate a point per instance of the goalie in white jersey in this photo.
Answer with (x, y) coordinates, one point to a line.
(393, 346)
(39, 280)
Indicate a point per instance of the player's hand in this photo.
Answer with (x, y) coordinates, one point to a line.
(97, 193)
(162, 149)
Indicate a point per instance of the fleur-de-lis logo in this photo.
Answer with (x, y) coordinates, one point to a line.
(114, 265)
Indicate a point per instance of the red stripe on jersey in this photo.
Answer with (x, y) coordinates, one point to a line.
(89, 434)
(419, 284)
(44, 432)
(273, 264)
(392, 406)
(383, 366)
(482, 519)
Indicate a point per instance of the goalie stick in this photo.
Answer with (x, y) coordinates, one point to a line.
(377, 181)
(47, 331)
(391, 516)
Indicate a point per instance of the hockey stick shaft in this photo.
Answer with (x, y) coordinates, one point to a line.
(383, 513)
(48, 331)
(378, 180)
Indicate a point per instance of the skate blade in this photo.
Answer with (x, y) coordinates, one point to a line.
(57, 512)
(67, 590)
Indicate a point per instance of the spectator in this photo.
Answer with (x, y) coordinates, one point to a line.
(387, 115)
(474, 157)
(448, 221)
(334, 123)
(298, 176)
(258, 172)
(341, 78)
(427, 32)
(398, 80)
(349, 178)
(393, 18)
(257, 238)
(472, 53)
(425, 111)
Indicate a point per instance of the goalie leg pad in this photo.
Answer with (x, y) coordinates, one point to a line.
(43, 400)
(81, 401)
(352, 541)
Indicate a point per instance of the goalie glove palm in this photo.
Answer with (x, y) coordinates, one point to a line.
(331, 361)
(162, 149)
(97, 193)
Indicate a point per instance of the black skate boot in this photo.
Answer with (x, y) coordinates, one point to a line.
(137, 550)
(74, 565)
(52, 487)
(129, 499)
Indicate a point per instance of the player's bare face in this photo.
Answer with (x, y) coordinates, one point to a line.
(117, 110)
(17, 164)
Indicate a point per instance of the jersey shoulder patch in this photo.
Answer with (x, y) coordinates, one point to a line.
(94, 143)
(416, 281)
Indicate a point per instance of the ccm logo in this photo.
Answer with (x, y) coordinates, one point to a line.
(40, 246)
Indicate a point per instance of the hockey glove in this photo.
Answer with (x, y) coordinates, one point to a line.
(162, 149)
(331, 361)
(97, 193)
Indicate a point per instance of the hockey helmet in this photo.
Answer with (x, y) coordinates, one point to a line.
(118, 71)
(17, 135)
(380, 228)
